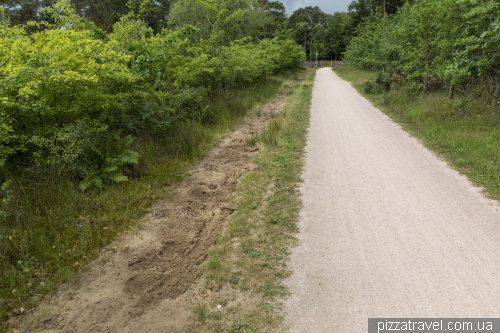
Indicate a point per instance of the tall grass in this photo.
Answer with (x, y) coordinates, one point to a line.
(248, 259)
(52, 229)
(465, 131)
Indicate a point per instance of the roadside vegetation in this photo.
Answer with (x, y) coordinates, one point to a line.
(249, 257)
(433, 45)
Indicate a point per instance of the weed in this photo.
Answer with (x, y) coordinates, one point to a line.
(213, 263)
(200, 310)
(252, 142)
(270, 134)
(236, 327)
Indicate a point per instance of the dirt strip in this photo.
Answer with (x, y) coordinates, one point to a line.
(146, 281)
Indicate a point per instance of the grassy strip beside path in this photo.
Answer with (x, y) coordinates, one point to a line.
(247, 265)
(464, 131)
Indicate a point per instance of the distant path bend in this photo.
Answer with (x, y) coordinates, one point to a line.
(387, 229)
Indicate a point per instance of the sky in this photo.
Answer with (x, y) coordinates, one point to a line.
(327, 6)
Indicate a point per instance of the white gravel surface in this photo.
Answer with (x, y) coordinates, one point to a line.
(387, 228)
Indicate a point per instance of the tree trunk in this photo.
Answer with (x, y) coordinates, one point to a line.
(311, 47)
(305, 39)
(495, 97)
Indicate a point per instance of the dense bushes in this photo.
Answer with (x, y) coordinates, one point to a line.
(382, 83)
(434, 43)
(63, 86)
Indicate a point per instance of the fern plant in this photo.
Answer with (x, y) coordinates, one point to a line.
(108, 158)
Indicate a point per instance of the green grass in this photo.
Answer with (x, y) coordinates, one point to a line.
(464, 131)
(52, 229)
(251, 253)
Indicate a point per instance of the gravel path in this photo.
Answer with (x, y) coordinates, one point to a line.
(387, 229)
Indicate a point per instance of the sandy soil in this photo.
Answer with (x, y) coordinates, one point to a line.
(148, 281)
(387, 228)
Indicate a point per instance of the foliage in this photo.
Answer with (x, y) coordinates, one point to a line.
(4, 198)
(63, 85)
(308, 24)
(364, 49)
(103, 13)
(338, 34)
(55, 90)
(23, 11)
(434, 43)
(382, 83)
(106, 159)
(361, 9)
(228, 20)
(54, 225)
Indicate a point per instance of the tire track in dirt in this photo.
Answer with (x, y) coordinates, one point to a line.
(141, 282)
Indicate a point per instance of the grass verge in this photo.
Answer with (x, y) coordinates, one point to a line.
(464, 131)
(51, 229)
(247, 264)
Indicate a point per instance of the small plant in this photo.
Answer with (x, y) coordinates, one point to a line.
(4, 198)
(384, 81)
(109, 159)
(270, 134)
(200, 311)
(382, 84)
(236, 326)
(459, 107)
(397, 81)
(213, 263)
(234, 279)
(252, 142)
(369, 87)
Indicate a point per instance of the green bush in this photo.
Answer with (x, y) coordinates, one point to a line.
(382, 83)
(433, 44)
(64, 85)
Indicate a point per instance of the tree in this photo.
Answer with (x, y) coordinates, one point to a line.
(304, 20)
(231, 19)
(338, 34)
(449, 42)
(478, 48)
(275, 15)
(360, 9)
(104, 13)
(23, 11)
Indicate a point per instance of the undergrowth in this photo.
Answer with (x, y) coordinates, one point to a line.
(249, 257)
(50, 229)
(462, 130)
